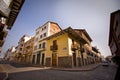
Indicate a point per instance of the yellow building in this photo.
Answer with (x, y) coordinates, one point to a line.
(64, 49)
(28, 50)
(69, 48)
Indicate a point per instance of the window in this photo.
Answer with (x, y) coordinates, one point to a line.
(21, 44)
(43, 45)
(44, 34)
(28, 47)
(35, 47)
(44, 27)
(20, 49)
(40, 36)
(37, 32)
(55, 42)
(39, 46)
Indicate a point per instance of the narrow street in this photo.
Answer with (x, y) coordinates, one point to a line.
(100, 73)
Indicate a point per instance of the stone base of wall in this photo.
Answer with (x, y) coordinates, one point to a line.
(65, 61)
(48, 62)
(79, 61)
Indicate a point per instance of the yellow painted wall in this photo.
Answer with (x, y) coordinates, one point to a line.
(69, 46)
(62, 42)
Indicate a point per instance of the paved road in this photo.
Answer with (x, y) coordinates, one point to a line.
(100, 73)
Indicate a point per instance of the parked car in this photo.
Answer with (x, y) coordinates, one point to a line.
(105, 63)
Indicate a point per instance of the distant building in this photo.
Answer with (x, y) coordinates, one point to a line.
(20, 47)
(114, 35)
(9, 54)
(12, 53)
(9, 10)
(28, 50)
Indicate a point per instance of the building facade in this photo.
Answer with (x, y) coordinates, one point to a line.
(114, 40)
(9, 54)
(49, 28)
(12, 54)
(114, 35)
(68, 49)
(28, 50)
(20, 48)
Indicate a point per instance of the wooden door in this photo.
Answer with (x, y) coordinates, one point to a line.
(54, 59)
(74, 59)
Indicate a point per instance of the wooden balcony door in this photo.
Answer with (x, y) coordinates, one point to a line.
(54, 59)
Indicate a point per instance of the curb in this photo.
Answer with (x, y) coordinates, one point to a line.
(78, 70)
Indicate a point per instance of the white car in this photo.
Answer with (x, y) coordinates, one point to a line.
(105, 63)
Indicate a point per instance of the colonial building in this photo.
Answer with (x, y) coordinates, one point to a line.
(9, 9)
(67, 48)
(12, 54)
(28, 50)
(114, 35)
(9, 54)
(42, 32)
(20, 47)
(87, 56)
(114, 39)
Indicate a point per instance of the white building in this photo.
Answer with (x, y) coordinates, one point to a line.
(9, 53)
(49, 28)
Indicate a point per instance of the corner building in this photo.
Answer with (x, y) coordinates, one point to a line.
(64, 49)
(68, 49)
(46, 30)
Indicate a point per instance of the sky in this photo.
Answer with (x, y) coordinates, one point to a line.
(92, 15)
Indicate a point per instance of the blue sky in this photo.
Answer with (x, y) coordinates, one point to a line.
(92, 15)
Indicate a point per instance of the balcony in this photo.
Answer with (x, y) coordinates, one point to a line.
(54, 47)
(42, 49)
(74, 47)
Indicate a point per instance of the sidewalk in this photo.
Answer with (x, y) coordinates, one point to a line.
(77, 69)
(3, 74)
